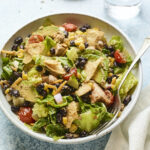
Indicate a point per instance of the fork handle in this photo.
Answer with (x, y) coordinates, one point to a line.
(143, 49)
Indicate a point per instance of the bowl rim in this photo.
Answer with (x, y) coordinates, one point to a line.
(90, 137)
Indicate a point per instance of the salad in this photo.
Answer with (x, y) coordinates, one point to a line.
(62, 80)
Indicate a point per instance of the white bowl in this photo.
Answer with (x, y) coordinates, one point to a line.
(78, 19)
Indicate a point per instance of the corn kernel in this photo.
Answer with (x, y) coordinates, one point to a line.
(73, 128)
(79, 32)
(71, 33)
(110, 74)
(113, 80)
(78, 75)
(20, 53)
(71, 37)
(79, 41)
(91, 84)
(24, 76)
(112, 86)
(7, 91)
(65, 120)
(81, 46)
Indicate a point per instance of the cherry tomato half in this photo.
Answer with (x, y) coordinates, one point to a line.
(69, 27)
(119, 57)
(72, 71)
(110, 96)
(36, 39)
(25, 115)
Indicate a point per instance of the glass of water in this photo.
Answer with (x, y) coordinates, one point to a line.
(123, 9)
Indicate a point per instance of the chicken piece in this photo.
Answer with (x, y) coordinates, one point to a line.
(83, 89)
(54, 66)
(91, 67)
(49, 79)
(60, 49)
(72, 113)
(59, 37)
(93, 36)
(99, 95)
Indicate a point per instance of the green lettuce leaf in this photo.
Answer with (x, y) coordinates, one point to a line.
(72, 54)
(39, 124)
(116, 42)
(64, 61)
(128, 84)
(55, 131)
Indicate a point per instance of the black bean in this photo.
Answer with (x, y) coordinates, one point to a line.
(67, 90)
(127, 100)
(40, 88)
(83, 134)
(116, 64)
(109, 79)
(14, 93)
(86, 44)
(18, 40)
(80, 63)
(14, 47)
(44, 93)
(83, 29)
(46, 73)
(111, 54)
(63, 112)
(67, 68)
(58, 118)
(52, 51)
(72, 43)
(16, 74)
(74, 97)
(39, 68)
(87, 26)
(111, 48)
(26, 104)
(66, 34)
(15, 109)
(111, 70)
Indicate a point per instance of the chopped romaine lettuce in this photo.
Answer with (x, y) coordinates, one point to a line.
(100, 75)
(39, 124)
(49, 100)
(72, 54)
(129, 84)
(73, 82)
(64, 61)
(55, 131)
(116, 42)
(40, 110)
(90, 54)
(48, 43)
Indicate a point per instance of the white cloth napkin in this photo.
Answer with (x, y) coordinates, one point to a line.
(134, 132)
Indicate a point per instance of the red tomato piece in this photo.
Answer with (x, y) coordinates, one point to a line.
(36, 39)
(25, 115)
(72, 71)
(110, 96)
(119, 57)
(69, 27)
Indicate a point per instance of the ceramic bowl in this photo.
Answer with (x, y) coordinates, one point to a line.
(78, 19)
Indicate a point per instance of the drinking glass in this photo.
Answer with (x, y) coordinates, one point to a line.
(123, 9)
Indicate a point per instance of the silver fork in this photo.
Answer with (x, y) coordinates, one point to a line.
(117, 105)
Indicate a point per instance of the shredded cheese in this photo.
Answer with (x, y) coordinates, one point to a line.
(46, 86)
(13, 68)
(16, 82)
(60, 87)
(57, 81)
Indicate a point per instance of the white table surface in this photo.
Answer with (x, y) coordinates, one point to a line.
(16, 13)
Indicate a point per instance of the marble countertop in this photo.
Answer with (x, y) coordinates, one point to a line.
(16, 13)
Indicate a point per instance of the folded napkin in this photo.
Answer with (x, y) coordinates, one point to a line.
(134, 132)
